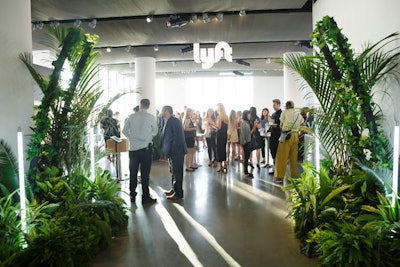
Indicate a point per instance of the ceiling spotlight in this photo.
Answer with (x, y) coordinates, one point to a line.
(220, 16)
(242, 62)
(156, 48)
(40, 25)
(108, 49)
(206, 18)
(268, 61)
(149, 19)
(93, 23)
(77, 23)
(187, 49)
(242, 13)
(194, 18)
(128, 49)
(176, 21)
(239, 73)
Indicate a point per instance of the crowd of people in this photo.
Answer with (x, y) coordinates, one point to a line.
(237, 137)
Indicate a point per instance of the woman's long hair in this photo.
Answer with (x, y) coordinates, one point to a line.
(232, 119)
(222, 113)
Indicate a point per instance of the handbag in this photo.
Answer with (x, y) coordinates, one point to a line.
(286, 135)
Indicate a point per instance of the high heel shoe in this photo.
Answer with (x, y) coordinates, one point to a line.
(258, 167)
(251, 165)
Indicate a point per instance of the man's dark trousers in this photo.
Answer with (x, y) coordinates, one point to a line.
(176, 169)
(143, 158)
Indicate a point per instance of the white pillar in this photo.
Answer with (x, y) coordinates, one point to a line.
(145, 77)
(294, 87)
(16, 86)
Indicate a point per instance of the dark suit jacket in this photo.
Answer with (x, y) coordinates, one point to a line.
(173, 139)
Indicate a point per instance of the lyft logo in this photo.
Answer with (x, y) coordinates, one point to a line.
(208, 56)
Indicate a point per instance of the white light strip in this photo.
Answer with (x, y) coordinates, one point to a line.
(395, 162)
(207, 236)
(317, 152)
(92, 159)
(21, 174)
(173, 230)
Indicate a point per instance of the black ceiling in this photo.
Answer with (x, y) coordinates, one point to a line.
(270, 28)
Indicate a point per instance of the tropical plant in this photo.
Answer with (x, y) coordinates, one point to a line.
(348, 122)
(312, 195)
(65, 113)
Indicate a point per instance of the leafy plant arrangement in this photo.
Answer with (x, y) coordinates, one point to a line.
(348, 121)
(70, 217)
(342, 214)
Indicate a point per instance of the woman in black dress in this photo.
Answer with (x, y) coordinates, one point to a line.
(222, 137)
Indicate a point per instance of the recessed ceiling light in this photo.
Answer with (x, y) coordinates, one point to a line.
(156, 48)
(108, 49)
(242, 13)
(149, 19)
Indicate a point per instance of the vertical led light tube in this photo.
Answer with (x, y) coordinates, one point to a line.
(395, 162)
(317, 153)
(92, 160)
(21, 175)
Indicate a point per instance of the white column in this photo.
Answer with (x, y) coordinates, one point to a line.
(16, 86)
(294, 87)
(145, 77)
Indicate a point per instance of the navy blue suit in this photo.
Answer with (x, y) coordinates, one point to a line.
(173, 146)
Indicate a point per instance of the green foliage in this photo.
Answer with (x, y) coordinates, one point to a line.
(11, 237)
(348, 122)
(349, 245)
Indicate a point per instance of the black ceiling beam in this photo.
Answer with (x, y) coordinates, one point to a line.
(300, 42)
(166, 16)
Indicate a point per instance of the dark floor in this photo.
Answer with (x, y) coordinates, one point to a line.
(224, 220)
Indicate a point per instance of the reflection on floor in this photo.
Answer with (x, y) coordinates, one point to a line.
(224, 220)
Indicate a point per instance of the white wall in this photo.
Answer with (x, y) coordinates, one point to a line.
(16, 86)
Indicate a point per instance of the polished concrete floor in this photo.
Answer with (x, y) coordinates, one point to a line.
(224, 220)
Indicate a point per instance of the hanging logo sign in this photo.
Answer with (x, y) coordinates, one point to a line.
(208, 56)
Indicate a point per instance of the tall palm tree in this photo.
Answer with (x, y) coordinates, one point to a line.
(348, 120)
(64, 113)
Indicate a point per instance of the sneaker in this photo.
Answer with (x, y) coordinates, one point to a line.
(278, 180)
(271, 170)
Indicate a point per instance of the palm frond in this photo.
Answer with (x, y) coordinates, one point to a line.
(26, 58)
(8, 167)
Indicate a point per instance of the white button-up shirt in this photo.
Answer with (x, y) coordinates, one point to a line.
(140, 129)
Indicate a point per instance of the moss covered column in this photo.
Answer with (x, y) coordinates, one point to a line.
(16, 85)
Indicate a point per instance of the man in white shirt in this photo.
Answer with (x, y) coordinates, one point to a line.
(140, 128)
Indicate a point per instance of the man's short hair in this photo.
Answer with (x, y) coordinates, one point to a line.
(277, 101)
(145, 103)
(289, 104)
(168, 109)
